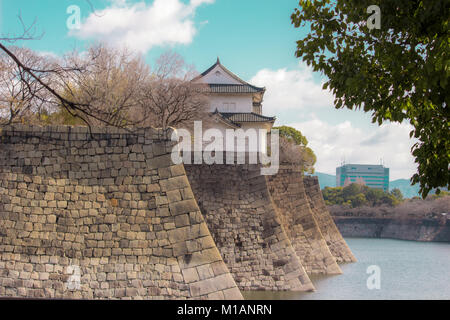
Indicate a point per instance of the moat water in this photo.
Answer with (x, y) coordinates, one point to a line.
(407, 270)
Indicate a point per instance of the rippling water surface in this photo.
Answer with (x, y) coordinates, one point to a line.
(408, 270)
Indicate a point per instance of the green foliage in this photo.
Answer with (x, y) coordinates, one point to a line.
(295, 137)
(441, 194)
(353, 190)
(357, 195)
(358, 200)
(374, 196)
(62, 116)
(397, 194)
(399, 72)
(310, 160)
(333, 195)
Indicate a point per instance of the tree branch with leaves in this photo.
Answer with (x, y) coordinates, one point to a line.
(399, 72)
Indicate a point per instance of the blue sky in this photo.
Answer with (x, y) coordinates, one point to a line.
(253, 38)
(260, 29)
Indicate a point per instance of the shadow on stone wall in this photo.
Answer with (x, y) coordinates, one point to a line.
(288, 193)
(332, 235)
(239, 211)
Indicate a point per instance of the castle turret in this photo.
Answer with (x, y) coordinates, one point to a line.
(235, 101)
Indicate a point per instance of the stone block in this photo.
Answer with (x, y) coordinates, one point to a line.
(181, 207)
(162, 161)
(174, 183)
(182, 220)
(190, 275)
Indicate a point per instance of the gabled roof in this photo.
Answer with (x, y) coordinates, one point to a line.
(242, 87)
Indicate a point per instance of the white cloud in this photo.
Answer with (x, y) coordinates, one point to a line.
(141, 26)
(49, 54)
(334, 143)
(291, 90)
(298, 100)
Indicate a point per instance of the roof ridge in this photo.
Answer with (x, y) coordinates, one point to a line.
(230, 88)
(235, 84)
(231, 74)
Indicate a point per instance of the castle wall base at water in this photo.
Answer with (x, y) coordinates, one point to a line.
(332, 235)
(243, 220)
(107, 215)
(288, 193)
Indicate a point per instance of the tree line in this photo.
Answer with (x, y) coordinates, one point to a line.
(102, 86)
(357, 195)
(433, 207)
(360, 198)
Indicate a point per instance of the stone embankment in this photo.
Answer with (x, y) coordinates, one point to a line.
(246, 227)
(288, 193)
(405, 229)
(106, 215)
(331, 233)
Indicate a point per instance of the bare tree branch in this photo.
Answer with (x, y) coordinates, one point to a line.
(107, 87)
(171, 98)
(28, 32)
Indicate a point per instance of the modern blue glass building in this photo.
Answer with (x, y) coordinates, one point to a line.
(374, 176)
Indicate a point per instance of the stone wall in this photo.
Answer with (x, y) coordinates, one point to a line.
(333, 237)
(406, 229)
(288, 193)
(239, 211)
(112, 208)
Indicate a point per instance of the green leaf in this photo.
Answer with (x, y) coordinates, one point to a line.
(400, 71)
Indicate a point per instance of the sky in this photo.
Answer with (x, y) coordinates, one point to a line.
(253, 38)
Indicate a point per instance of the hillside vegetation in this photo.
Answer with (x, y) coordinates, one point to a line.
(360, 201)
(357, 195)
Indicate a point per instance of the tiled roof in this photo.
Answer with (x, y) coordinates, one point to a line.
(246, 117)
(226, 120)
(243, 87)
(232, 88)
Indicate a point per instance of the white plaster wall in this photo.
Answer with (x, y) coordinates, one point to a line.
(259, 145)
(244, 102)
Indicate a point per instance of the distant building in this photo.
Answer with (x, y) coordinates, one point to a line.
(373, 176)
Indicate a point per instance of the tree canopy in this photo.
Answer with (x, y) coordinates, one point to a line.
(294, 148)
(293, 135)
(356, 195)
(101, 86)
(398, 71)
